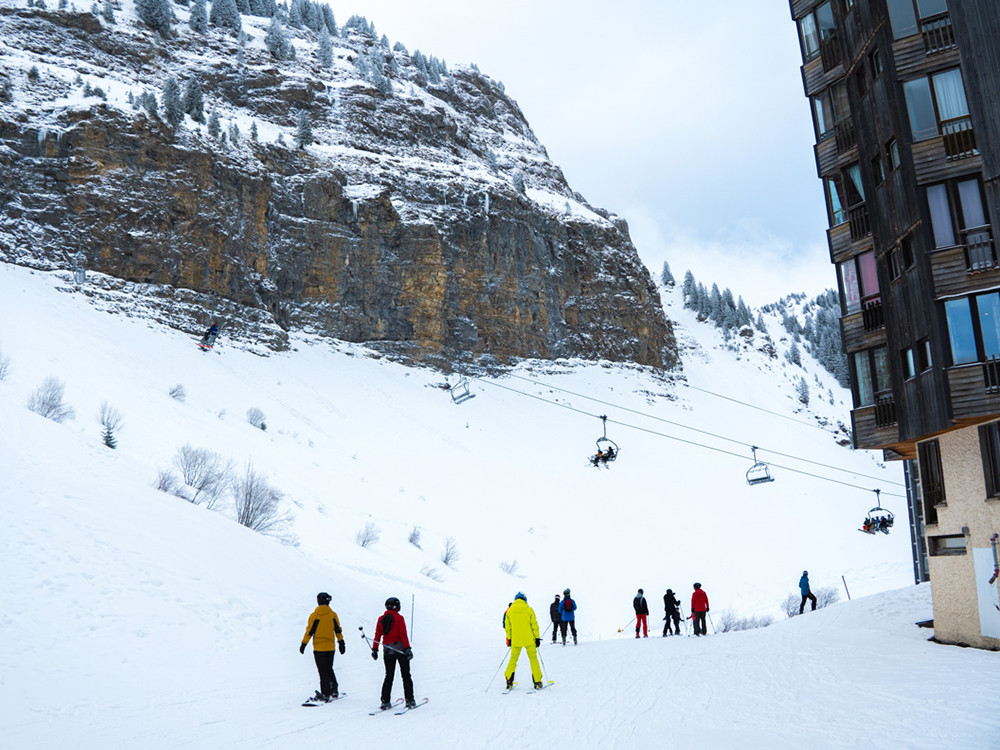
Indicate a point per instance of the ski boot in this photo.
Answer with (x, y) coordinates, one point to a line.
(510, 682)
(539, 686)
(386, 705)
(411, 703)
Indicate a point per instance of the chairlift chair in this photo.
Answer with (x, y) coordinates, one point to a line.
(878, 518)
(607, 449)
(760, 472)
(460, 392)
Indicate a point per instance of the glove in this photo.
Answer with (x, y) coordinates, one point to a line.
(375, 654)
(538, 642)
(343, 647)
(508, 641)
(408, 653)
(302, 648)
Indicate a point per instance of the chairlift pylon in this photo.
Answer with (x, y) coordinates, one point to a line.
(878, 518)
(760, 472)
(607, 449)
(460, 391)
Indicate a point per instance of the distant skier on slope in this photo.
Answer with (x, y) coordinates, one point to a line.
(208, 338)
(324, 629)
(567, 616)
(670, 605)
(806, 592)
(699, 610)
(391, 633)
(555, 617)
(641, 614)
(521, 628)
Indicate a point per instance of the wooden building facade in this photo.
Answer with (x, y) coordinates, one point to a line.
(905, 97)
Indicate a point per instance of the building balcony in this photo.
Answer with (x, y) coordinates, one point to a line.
(875, 426)
(857, 217)
(857, 334)
(967, 268)
(839, 238)
(938, 33)
(845, 134)
(959, 138)
(975, 389)
(829, 52)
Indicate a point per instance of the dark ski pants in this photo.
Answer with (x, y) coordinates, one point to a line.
(555, 629)
(640, 622)
(391, 658)
(811, 596)
(571, 624)
(677, 623)
(700, 627)
(324, 665)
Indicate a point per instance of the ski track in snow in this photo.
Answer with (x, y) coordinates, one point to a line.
(132, 618)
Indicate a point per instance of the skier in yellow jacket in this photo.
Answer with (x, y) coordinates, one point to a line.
(324, 629)
(522, 632)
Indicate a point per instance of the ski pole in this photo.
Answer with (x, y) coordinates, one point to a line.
(714, 631)
(412, 598)
(685, 620)
(498, 671)
(386, 646)
(627, 626)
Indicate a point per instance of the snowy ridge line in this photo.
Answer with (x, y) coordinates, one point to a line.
(695, 429)
(690, 442)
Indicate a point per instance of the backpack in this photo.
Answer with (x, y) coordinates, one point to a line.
(568, 605)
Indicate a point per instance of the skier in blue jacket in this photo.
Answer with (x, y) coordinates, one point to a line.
(567, 611)
(806, 592)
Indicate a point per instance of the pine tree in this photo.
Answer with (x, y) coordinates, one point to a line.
(199, 17)
(324, 50)
(194, 101)
(156, 14)
(667, 278)
(715, 305)
(108, 11)
(214, 126)
(689, 291)
(173, 109)
(303, 130)
(794, 356)
(518, 181)
(243, 6)
(253, 131)
(226, 15)
(328, 20)
(276, 40)
(295, 14)
(149, 103)
(108, 437)
(803, 391)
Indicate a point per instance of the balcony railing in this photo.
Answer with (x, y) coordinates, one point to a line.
(845, 134)
(885, 410)
(991, 375)
(959, 138)
(873, 316)
(980, 252)
(939, 35)
(829, 50)
(857, 216)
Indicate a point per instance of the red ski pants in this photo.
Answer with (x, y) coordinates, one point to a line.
(640, 622)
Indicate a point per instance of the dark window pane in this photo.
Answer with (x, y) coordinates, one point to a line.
(866, 390)
(960, 332)
(869, 274)
(923, 121)
(937, 201)
(972, 204)
(989, 442)
(882, 381)
(904, 20)
(810, 36)
(949, 90)
(931, 7)
(989, 322)
(852, 291)
(824, 20)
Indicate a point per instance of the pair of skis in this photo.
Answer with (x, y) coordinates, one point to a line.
(396, 704)
(545, 685)
(315, 701)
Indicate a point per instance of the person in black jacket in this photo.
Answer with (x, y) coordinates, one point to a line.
(555, 617)
(670, 605)
(641, 614)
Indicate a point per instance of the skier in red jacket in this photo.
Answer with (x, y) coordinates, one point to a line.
(391, 633)
(699, 609)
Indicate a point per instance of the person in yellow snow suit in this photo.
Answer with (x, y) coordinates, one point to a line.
(521, 627)
(324, 629)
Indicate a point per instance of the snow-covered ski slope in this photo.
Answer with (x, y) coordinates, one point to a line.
(132, 618)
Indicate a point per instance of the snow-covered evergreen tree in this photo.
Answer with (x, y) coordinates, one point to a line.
(253, 131)
(518, 181)
(173, 109)
(303, 130)
(277, 41)
(324, 49)
(156, 14)
(666, 278)
(214, 126)
(794, 355)
(803, 391)
(243, 6)
(194, 100)
(108, 11)
(198, 20)
(689, 290)
(226, 15)
(328, 19)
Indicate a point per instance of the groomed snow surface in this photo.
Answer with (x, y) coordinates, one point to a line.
(131, 618)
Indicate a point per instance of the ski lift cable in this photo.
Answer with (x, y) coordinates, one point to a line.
(754, 406)
(703, 432)
(681, 440)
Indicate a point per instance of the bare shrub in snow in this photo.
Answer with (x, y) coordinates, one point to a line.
(510, 568)
(450, 553)
(5, 365)
(414, 537)
(790, 604)
(111, 420)
(205, 472)
(167, 481)
(258, 504)
(368, 535)
(47, 401)
(431, 573)
(730, 621)
(256, 417)
(826, 596)
(178, 393)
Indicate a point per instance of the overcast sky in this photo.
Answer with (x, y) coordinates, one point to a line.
(685, 117)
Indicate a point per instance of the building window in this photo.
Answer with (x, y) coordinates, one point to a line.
(830, 106)
(848, 6)
(906, 14)
(943, 546)
(878, 170)
(989, 443)
(814, 29)
(861, 80)
(931, 479)
(935, 103)
(875, 63)
(916, 359)
(974, 327)
(892, 155)
(871, 375)
(957, 211)
(859, 280)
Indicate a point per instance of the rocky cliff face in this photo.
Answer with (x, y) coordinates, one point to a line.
(426, 218)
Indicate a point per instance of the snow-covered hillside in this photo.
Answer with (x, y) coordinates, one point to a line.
(134, 618)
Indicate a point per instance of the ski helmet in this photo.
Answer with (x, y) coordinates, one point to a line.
(697, 585)
(565, 592)
(392, 603)
(323, 598)
(557, 597)
(520, 596)
(640, 591)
